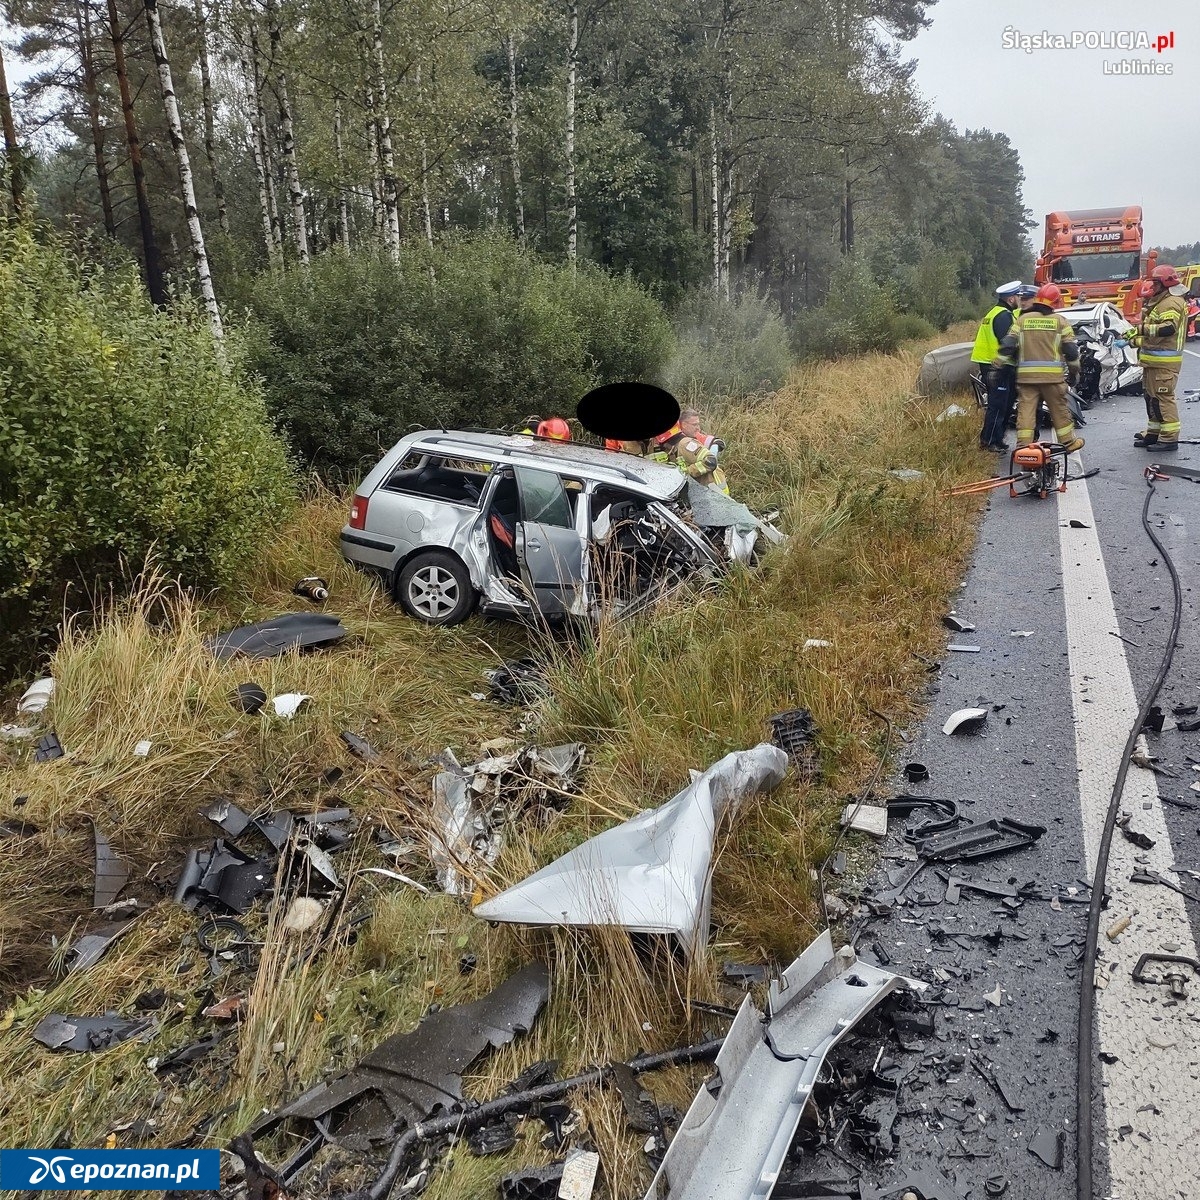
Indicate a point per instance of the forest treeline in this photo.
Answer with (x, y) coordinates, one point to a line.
(695, 144)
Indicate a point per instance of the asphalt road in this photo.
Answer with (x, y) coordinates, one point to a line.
(1093, 601)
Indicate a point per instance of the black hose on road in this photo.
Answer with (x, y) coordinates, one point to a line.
(1087, 983)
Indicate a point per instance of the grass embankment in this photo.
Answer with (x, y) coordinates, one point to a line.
(870, 566)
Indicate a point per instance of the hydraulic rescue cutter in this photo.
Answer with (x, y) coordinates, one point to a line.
(1034, 470)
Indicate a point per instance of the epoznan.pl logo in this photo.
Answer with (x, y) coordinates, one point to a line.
(109, 1170)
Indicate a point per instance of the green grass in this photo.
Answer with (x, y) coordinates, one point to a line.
(871, 565)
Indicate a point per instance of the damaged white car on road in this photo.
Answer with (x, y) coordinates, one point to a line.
(522, 526)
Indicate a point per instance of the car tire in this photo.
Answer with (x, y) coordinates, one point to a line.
(435, 587)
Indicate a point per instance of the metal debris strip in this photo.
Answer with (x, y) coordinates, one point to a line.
(59, 1031)
(88, 949)
(111, 873)
(473, 804)
(412, 1075)
(736, 1135)
(276, 636)
(651, 874)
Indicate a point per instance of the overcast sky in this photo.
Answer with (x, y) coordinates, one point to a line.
(1086, 139)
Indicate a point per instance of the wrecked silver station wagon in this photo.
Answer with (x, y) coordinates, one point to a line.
(522, 526)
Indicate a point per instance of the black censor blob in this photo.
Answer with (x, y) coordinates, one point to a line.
(630, 412)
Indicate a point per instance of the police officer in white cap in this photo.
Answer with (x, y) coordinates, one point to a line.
(1000, 380)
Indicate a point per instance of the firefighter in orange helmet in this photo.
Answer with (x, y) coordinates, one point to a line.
(1159, 338)
(555, 429)
(1040, 344)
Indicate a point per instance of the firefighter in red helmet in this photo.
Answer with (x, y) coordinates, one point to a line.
(1159, 338)
(555, 429)
(1040, 344)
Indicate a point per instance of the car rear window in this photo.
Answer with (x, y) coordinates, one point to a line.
(460, 481)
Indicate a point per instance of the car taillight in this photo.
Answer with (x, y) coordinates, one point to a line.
(358, 512)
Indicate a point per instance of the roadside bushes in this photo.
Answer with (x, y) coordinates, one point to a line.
(727, 348)
(359, 350)
(122, 435)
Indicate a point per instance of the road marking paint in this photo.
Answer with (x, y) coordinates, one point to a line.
(1193, 353)
(1157, 1043)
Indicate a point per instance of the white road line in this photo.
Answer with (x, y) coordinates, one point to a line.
(1193, 353)
(1156, 1041)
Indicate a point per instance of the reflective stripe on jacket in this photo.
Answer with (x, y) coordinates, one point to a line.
(1041, 344)
(1163, 350)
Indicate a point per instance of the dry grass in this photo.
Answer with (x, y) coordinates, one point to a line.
(870, 567)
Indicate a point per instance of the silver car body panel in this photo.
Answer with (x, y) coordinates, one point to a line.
(733, 1141)
(651, 874)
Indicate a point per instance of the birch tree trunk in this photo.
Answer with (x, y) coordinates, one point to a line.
(175, 129)
(514, 137)
(250, 77)
(343, 204)
(716, 200)
(153, 265)
(290, 167)
(12, 151)
(91, 91)
(572, 72)
(390, 203)
(209, 123)
(378, 220)
(726, 147)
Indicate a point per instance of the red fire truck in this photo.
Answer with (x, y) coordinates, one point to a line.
(1095, 254)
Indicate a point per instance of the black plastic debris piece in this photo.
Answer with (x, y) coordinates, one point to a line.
(996, 1185)
(1148, 876)
(248, 698)
(1185, 710)
(88, 949)
(177, 1060)
(411, 1075)
(518, 681)
(794, 732)
(883, 902)
(150, 1001)
(111, 873)
(61, 1032)
(312, 587)
(912, 1023)
(493, 1139)
(1154, 720)
(467, 963)
(641, 1113)
(956, 885)
(1048, 1145)
(359, 747)
(276, 636)
(837, 864)
(943, 814)
(1188, 726)
(1075, 523)
(533, 1076)
(224, 877)
(743, 974)
(987, 1071)
(48, 748)
(1137, 836)
(532, 1183)
(15, 828)
(228, 816)
(979, 841)
(957, 624)
(916, 772)
(1108, 1058)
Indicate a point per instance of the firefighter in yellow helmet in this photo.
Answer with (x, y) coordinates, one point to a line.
(1159, 339)
(1040, 344)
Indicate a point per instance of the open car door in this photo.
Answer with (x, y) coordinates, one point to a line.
(548, 547)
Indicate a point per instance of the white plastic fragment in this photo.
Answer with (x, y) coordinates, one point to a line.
(397, 876)
(303, 914)
(962, 648)
(142, 748)
(816, 644)
(37, 695)
(955, 410)
(907, 474)
(651, 874)
(579, 1175)
(869, 819)
(965, 720)
(1021, 633)
(289, 704)
(17, 733)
